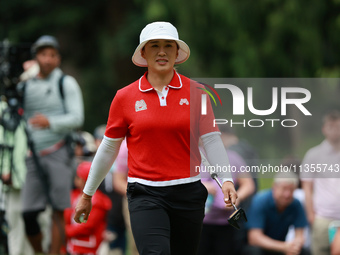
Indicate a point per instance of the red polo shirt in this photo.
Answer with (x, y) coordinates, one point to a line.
(160, 128)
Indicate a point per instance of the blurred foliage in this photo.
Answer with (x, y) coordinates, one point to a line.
(264, 38)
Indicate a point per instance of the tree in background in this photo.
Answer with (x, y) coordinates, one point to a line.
(265, 38)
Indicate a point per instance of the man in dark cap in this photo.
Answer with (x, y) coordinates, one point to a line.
(53, 106)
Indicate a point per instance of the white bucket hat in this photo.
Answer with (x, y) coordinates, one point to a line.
(160, 30)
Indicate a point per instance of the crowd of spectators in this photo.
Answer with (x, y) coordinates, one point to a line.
(297, 215)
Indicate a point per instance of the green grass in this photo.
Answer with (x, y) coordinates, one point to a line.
(264, 183)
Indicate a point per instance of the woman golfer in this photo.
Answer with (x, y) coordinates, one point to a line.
(160, 116)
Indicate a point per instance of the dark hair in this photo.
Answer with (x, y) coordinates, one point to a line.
(224, 128)
(292, 162)
(333, 115)
(147, 42)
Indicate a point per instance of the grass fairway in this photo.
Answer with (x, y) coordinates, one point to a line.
(264, 183)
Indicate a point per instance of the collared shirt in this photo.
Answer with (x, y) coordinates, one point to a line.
(263, 214)
(326, 184)
(162, 130)
(43, 96)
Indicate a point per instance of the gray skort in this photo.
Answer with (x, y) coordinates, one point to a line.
(58, 170)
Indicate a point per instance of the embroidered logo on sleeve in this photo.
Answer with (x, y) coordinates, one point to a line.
(140, 105)
(184, 101)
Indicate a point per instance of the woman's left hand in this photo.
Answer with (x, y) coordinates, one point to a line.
(229, 192)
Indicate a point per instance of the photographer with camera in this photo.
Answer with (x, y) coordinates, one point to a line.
(53, 107)
(13, 145)
(13, 150)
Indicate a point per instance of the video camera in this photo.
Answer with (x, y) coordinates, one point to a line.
(12, 57)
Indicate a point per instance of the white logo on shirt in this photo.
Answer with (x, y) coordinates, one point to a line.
(140, 105)
(184, 101)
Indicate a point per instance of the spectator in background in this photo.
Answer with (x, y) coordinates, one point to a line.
(248, 154)
(13, 150)
(85, 146)
(216, 232)
(233, 142)
(335, 247)
(321, 190)
(294, 163)
(13, 172)
(120, 176)
(115, 234)
(98, 134)
(85, 238)
(3, 223)
(270, 215)
(53, 106)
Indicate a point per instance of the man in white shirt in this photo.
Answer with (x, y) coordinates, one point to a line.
(321, 183)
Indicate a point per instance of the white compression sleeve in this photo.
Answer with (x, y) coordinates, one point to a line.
(102, 162)
(217, 155)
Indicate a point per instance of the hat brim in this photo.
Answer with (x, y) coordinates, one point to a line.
(36, 48)
(183, 51)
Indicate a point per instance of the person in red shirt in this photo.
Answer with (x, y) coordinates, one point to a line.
(86, 238)
(160, 116)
